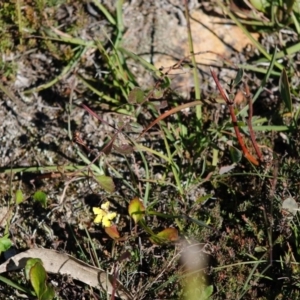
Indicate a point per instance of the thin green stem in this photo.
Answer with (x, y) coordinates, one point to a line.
(174, 170)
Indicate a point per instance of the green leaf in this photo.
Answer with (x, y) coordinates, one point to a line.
(139, 59)
(136, 209)
(106, 183)
(296, 7)
(5, 243)
(158, 93)
(166, 236)
(260, 5)
(49, 293)
(38, 279)
(260, 249)
(208, 291)
(284, 89)
(203, 198)
(238, 78)
(136, 96)
(41, 197)
(29, 264)
(16, 286)
(19, 197)
(36, 273)
(215, 157)
(105, 12)
(236, 154)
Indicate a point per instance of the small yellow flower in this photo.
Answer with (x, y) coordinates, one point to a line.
(103, 215)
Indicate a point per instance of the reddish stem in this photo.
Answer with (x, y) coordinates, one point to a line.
(249, 122)
(229, 103)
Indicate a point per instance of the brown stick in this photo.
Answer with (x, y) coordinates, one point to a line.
(229, 103)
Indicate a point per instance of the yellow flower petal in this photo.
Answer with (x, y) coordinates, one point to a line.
(98, 219)
(97, 210)
(106, 222)
(105, 205)
(111, 215)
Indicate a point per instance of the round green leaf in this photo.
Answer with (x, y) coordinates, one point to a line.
(136, 96)
(106, 183)
(136, 209)
(41, 197)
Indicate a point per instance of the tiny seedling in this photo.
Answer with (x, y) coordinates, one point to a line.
(137, 211)
(41, 197)
(36, 274)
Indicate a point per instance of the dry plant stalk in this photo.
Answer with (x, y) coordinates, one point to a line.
(249, 122)
(229, 104)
